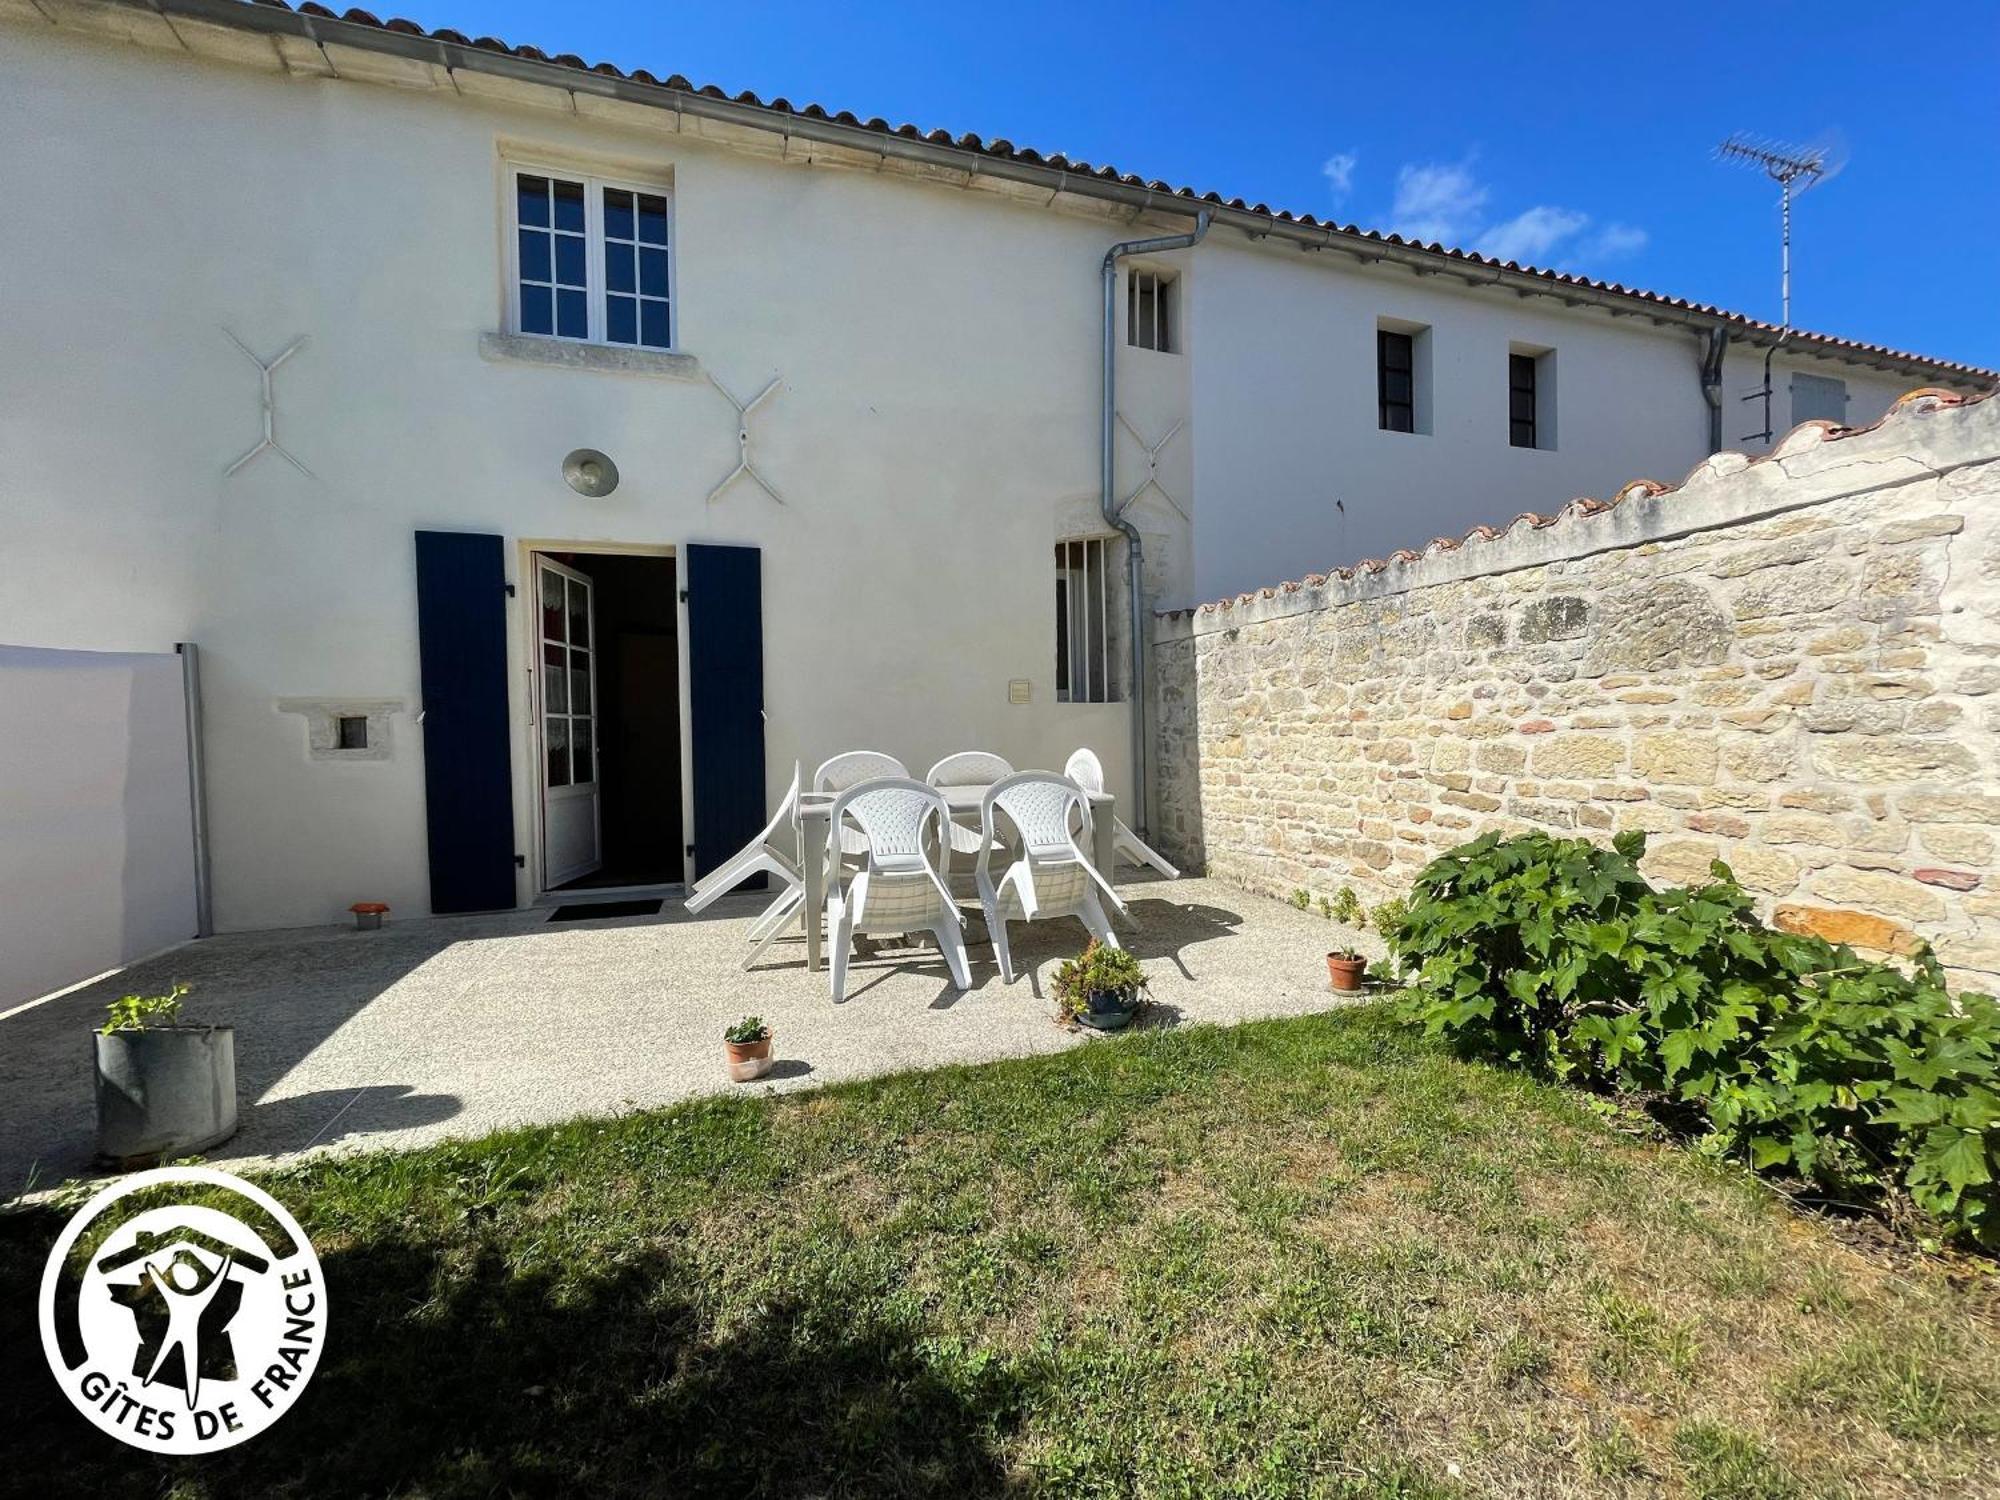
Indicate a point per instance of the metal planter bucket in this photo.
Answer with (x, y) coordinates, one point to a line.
(165, 1091)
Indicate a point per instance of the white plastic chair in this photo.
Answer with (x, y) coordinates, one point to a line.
(1087, 771)
(968, 768)
(898, 888)
(1052, 877)
(843, 771)
(850, 766)
(765, 854)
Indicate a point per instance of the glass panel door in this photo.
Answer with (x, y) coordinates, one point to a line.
(567, 640)
(568, 703)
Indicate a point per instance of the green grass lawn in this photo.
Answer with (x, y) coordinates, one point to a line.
(1313, 1256)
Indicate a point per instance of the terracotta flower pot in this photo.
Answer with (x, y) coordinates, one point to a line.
(1345, 973)
(748, 1061)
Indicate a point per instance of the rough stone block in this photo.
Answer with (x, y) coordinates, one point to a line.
(1578, 755)
(1680, 861)
(1885, 758)
(1854, 928)
(1964, 846)
(1770, 871)
(1879, 892)
(1951, 880)
(1802, 828)
(1672, 623)
(1918, 529)
(1762, 759)
(1556, 618)
(1689, 759)
(1980, 954)
(1949, 807)
(1813, 590)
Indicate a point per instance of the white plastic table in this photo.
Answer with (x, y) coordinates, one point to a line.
(816, 810)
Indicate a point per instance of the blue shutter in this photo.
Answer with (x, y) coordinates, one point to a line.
(725, 698)
(468, 781)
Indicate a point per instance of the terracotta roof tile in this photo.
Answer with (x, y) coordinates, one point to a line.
(1929, 398)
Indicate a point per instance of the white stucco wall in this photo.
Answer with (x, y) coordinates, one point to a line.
(1285, 400)
(96, 836)
(935, 434)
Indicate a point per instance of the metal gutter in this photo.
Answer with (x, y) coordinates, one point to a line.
(1139, 197)
(1107, 500)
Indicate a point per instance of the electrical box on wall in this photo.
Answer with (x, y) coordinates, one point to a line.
(1019, 690)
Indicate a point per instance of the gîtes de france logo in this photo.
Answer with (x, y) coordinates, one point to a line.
(186, 1328)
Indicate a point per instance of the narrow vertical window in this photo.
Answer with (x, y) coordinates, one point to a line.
(1150, 314)
(1395, 380)
(1521, 369)
(554, 252)
(635, 269)
(1083, 622)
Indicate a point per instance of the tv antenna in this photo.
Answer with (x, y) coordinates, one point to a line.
(1794, 169)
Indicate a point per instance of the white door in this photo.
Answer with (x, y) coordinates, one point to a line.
(570, 845)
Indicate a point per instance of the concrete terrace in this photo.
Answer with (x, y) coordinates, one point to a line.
(459, 1026)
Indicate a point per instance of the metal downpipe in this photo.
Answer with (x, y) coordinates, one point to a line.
(204, 888)
(1107, 501)
(1711, 384)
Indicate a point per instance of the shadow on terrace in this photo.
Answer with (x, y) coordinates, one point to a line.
(459, 1026)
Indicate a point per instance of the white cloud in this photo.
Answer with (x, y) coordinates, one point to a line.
(1446, 201)
(1613, 241)
(1529, 237)
(1339, 169)
(1437, 201)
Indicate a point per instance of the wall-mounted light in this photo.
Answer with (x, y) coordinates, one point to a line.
(591, 473)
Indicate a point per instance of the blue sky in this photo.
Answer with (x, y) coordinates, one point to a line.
(1577, 136)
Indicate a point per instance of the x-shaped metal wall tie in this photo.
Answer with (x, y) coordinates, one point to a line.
(265, 370)
(1152, 479)
(743, 465)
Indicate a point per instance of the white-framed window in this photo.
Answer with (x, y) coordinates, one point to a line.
(1084, 619)
(589, 259)
(1152, 310)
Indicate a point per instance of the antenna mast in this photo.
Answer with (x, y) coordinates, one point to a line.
(1784, 165)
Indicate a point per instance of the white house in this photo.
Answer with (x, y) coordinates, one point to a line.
(307, 315)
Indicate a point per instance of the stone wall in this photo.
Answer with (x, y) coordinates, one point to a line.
(1792, 665)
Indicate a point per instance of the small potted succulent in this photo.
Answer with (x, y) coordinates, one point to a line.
(1344, 968)
(165, 1087)
(748, 1045)
(1103, 989)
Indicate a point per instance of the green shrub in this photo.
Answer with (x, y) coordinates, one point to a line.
(1100, 969)
(141, 1012)
(1791, 1053)
(1387, 918)
(1346, 907)
(749, 1029)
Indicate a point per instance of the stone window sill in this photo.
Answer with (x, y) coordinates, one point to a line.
(521, 348)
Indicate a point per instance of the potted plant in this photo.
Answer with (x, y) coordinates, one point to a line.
(1103, 989)
(1344, 967)
(165, 1087)
(748, 1045)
